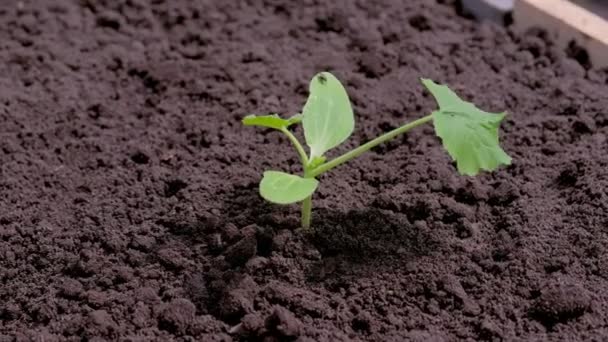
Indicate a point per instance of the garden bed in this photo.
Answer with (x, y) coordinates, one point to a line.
(129, 207)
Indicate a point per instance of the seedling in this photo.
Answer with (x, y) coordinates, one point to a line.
(469, 135)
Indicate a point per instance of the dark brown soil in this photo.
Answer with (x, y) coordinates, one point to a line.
(129, 204)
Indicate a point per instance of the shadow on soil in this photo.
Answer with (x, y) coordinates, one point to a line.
(353, 242)
(359, 234)
(346, 240)
(245, 206)
(345, 245)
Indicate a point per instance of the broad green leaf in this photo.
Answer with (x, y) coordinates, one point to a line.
(284, 188)
(328, 116)
(469, 134)
(271, 121)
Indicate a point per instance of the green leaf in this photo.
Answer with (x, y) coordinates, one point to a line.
(284, 188)
(328, 116)
(316, 161)
(271, 121)
(469, 134)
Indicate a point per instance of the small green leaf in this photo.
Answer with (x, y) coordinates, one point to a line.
(284, 188)
(316, 161)
(271, 121)
(328, 116)
(469, 134)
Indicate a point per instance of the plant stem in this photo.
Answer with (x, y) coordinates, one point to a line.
(307, 203)
(306, 212)
(298, 146)
(367, 146)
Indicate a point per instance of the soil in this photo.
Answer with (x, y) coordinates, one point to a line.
(129, 203)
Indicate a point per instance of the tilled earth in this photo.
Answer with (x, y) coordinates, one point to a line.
(129, 208)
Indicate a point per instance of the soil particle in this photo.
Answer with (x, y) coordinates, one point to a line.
(146, 295)
(504, 193)
(301, 301)
(283, 322)
(71, 288)
(142, 314)
(560, 302)
(172, 258)
(237, 299)
(97, 299)
(239, 253)
(453, 286)
(251, 325)
(143, 243)
(230, 233)
(177, 316)
(102, 323)
(363, 322)
(490, 331)
(422, 335)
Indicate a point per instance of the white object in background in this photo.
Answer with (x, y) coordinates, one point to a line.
(566, 22)
(494, 10)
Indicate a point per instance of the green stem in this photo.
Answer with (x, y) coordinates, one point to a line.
(307, 203)
(306, 212)
(298, 146)
(367, 146)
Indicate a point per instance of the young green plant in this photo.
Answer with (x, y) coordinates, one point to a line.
(469, 135)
